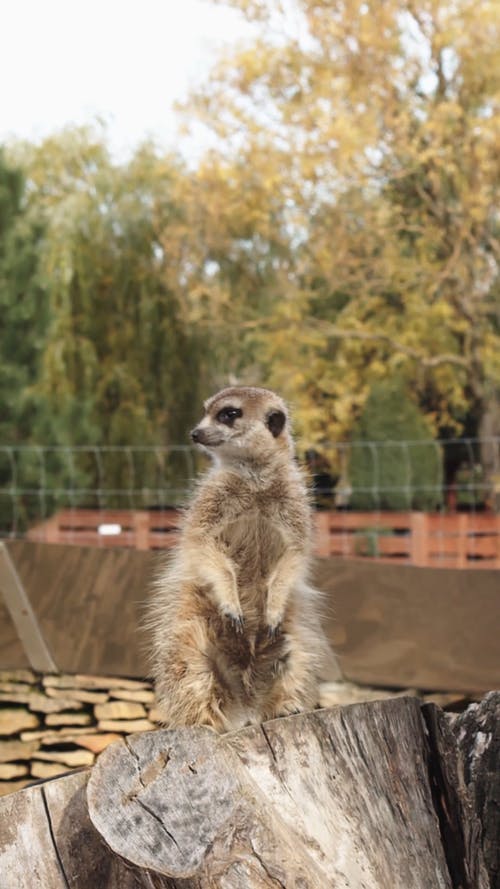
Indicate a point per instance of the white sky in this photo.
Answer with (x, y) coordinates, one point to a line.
(69, 61)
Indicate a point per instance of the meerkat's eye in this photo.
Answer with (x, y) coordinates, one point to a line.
(228, 415)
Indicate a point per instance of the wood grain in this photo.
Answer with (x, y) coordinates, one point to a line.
(404, 626)
(332, 798)
(47, 841)
(477, 731)
(77, 594)
(371, 796)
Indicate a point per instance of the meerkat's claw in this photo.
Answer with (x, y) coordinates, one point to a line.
(237, 623)
(288, 711)
(273, 631)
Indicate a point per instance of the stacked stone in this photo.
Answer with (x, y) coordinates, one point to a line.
(52, 724)
(55, 723)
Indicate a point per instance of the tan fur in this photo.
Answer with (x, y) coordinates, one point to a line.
(235, 626)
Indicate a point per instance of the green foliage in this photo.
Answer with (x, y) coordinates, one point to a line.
(118, 361)
(23, 307)
(347, 236)
(394, 464)
(24, 319)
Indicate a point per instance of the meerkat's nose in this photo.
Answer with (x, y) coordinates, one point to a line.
(195, 434)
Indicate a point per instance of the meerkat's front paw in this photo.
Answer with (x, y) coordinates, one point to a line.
(273, 632)
(288, 710)
(234, 619)
(273, 624)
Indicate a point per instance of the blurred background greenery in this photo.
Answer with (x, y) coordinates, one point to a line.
(338, 240)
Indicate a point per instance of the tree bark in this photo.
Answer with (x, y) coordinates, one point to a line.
(369, 796)
(477, 732)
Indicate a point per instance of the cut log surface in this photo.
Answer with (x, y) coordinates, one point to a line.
(336, 798)
(370, 796)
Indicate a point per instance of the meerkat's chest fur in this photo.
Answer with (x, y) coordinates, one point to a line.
(253, 521)
(253, 543)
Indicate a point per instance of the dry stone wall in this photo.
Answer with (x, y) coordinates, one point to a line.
(55, 723)
(52, 724)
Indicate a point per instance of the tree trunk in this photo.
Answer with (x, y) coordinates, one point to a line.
(369, 796)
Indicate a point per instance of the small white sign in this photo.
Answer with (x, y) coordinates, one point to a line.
(109, 530)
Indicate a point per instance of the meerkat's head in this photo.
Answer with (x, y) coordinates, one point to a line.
(244, 423)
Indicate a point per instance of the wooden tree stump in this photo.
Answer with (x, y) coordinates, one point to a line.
(371, 796)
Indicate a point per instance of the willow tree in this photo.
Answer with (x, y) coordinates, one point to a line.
(24, 319)
(375, 128)
(121, 362)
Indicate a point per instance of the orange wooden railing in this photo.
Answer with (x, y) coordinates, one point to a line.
(139, 529)
(463, 540)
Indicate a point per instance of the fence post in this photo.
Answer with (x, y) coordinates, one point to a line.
(322, 534)
(141, 529)
(462, 541)
(419, 538)
(497, 540)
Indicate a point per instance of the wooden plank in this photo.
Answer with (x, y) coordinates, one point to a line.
(343, 544)
(354, 521)
(482, 546)
(322, 537)
(92, 518)
(394, 546)
(23, 616)
(484, 523)
(443, 549)
(78, 594)
(74, 536)
(141, 530)
(444, 524)
(162, 541)
(443, 560)
(400, 625)
(12, 654)
(164, 519)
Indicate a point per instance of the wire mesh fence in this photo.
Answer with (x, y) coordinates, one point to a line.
(129, 496)
(38, 481)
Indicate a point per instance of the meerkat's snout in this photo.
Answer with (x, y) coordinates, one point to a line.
(198, 436)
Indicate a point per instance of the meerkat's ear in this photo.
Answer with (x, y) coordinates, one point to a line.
(275, 422)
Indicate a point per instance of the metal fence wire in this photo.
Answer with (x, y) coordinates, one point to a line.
(458, 475)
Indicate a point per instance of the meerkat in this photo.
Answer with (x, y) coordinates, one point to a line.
(236, 632)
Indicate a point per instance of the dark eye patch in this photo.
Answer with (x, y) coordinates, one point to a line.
(275, 423)
(228, 415)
